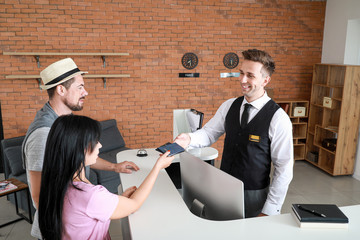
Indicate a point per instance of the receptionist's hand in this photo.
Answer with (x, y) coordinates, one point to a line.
(262, 215)
(183, 140)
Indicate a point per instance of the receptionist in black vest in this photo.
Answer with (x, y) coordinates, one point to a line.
(258, 133)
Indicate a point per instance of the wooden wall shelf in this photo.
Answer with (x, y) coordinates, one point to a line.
(63, 54)
(38, 54)
(86, 76)
(103, 76)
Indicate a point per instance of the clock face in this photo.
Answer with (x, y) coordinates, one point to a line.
(189, 60)
(231, 60)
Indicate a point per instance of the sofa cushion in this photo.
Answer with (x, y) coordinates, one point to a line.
(111, 155)
(110, 138)
(108, 179)
(93, 177)
(21, 178)
(13, 154)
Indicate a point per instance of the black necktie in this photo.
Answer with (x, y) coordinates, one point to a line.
(245, 115)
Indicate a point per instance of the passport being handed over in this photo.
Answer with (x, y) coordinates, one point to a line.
(173, 147)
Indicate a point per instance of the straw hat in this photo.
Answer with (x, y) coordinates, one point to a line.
(59, 72)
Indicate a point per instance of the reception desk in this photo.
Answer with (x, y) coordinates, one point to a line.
(164, 215)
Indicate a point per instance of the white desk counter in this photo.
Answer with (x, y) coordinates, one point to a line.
(205, 154)
(164, 215)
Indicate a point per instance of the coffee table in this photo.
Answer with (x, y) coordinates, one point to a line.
(20, 187)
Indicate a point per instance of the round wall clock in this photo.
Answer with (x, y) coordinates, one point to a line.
(189, 60)
(231, 60)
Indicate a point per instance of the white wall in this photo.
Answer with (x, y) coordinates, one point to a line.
(337, 17)
(357, 162)
(338, 43)
(352, 45)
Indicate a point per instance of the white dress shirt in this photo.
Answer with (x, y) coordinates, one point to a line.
(282, 153)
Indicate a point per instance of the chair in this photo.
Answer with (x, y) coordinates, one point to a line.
(190, 120)
(13, 168)
(186, 120)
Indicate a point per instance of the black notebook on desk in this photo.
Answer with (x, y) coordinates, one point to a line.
(319, 216)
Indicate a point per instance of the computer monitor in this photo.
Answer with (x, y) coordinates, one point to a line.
(214, 194)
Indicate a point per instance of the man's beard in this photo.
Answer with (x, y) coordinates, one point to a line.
(74, 107)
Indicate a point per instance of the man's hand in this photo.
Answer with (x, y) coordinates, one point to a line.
(128, 192)
(126, 167)
(123, 167)
(183, 140)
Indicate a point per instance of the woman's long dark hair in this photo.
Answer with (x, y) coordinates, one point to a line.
(70, 137)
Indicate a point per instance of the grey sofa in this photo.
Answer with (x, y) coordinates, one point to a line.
(111, 140)
(12, 164)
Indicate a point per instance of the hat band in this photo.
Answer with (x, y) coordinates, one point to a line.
(61, 77)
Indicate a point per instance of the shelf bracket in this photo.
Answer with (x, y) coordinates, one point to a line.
(104, 60)
(104, 80)
(39, 81)
(37, 57)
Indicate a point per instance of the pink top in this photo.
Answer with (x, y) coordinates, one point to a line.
(86, 214)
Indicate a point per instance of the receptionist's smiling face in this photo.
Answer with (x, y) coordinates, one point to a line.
(253, 80)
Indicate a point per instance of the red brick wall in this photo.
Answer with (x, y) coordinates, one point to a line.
(156, 34)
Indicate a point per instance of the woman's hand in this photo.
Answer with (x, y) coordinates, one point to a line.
(164, 161)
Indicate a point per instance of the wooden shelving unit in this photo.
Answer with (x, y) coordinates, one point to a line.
(338, 120)
(299, 124)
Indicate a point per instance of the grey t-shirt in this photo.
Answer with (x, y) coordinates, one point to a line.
(34, 155)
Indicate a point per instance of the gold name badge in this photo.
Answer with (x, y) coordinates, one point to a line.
(254, 138)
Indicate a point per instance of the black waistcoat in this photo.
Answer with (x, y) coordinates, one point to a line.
(246, 153)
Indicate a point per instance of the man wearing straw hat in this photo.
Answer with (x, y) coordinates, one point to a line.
(65, 86)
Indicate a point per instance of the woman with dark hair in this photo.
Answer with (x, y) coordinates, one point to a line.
(70, 207)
